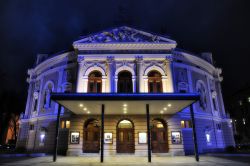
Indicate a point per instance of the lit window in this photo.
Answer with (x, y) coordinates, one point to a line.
(249, 99)
(186, 124)
(42, 138)
(159, 125)
(62, 124)
(244, 121)
(208, 138)
(240, 102)
(65, 124)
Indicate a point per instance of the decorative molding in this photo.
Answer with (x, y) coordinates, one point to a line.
(125, 67)
(154, 67)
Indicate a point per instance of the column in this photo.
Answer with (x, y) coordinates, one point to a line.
(169, 84)
(40, 97)
(110, 73)
(115, 85)
(84, 84)
(164, 84)
(80, 84)
(139, 74)
(104, 80)
(57, 133)
(102, 133)
(134, 84)
(194, 134)
(148, 133)
(145, 80)
(30, 96)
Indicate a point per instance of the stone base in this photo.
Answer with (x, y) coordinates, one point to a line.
(140, 153)
(74, 152)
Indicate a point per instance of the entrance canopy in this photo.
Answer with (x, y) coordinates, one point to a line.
(117, 103)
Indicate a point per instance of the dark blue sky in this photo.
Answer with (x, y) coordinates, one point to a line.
(28, 27)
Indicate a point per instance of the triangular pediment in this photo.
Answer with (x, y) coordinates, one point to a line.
(124, 34)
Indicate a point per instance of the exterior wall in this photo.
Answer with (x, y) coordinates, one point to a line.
(181, 72)
(110, 125)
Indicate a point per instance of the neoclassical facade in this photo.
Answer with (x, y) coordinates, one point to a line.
(124, 61)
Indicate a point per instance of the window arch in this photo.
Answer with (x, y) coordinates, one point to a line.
(95, 82)
(49, 88)
(125, 84)
(154, 82)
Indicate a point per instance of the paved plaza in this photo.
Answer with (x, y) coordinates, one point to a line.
(127, 160)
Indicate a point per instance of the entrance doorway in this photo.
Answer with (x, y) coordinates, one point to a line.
(159, 136)
(91, 137)
(125, 137)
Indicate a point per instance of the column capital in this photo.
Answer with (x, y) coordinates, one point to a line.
(110, 59)
(139, 59)
(80, 59)
(169, 58)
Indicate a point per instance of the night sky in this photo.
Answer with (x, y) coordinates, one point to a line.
(29, 27)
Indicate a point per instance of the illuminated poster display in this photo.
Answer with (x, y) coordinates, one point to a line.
(108, 138)
(142, 137)
(176, 137)
(74, 137)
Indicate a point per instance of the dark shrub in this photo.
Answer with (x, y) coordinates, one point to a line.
(230, 149)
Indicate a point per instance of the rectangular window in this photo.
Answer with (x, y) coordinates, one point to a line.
(186, 124)
(65, 124)
(32, 127)
(62, 124)
(218, 127)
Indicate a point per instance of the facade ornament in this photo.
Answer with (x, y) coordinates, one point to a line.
(35, 95)
(123, 34)
(214, 94)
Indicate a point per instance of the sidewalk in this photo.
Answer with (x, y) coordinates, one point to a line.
(124, 160)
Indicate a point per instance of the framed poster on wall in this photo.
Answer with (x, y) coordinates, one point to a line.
(74, 137)
(108, 138)
(142, 137)
(176, 137)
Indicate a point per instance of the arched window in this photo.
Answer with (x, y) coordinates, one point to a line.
(125, 124)
(201, 89)
(125, 82)
(95, 82)
(154, 82)
(47, 92)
